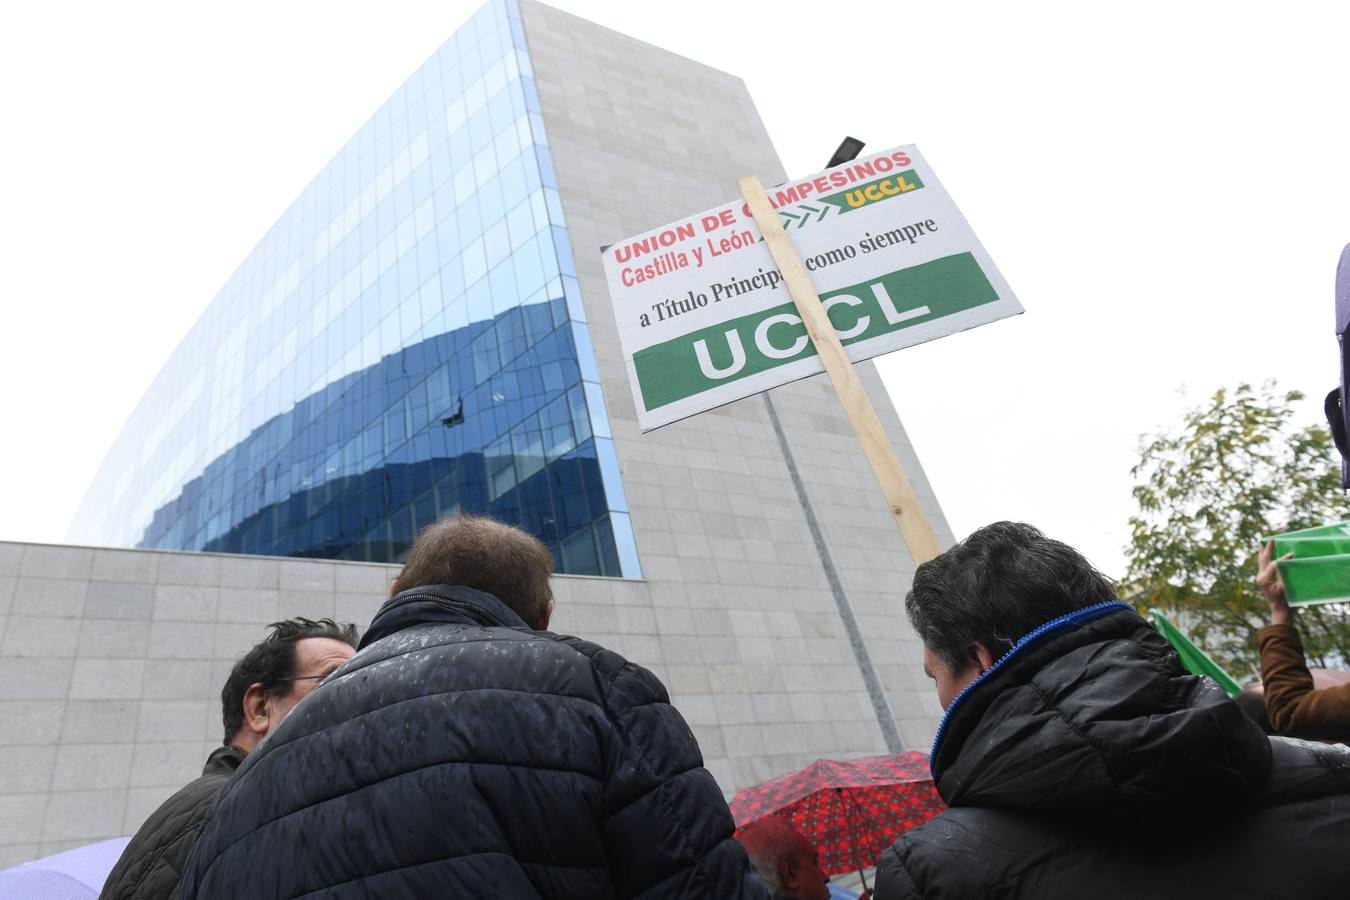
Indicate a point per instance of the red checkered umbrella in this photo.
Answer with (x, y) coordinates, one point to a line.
(850, 809)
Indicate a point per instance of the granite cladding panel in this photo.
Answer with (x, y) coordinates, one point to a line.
(111, 668)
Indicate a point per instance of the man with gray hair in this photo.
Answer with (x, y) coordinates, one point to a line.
(785, 859)
(1080, 759)
(467, 752)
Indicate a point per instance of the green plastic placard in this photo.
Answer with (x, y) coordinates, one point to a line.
(1320, 569)
(1196, 661)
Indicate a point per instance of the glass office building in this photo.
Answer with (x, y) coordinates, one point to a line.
(407, 341)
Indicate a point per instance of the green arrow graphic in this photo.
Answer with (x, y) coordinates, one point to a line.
(819, 212)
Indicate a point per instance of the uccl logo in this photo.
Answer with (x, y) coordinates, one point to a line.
(804, 214)
(770, 343)
(744, 346)
(875, 191)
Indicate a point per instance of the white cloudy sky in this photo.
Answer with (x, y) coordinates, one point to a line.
(1165, 185)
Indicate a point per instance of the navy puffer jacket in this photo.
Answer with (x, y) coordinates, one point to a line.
(460, 754)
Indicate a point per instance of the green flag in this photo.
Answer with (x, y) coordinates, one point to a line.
(1320, 569)
(1196, 661)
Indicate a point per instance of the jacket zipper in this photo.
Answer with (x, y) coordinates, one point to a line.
(1077, 617)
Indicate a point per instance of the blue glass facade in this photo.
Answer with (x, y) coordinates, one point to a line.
(406, 342)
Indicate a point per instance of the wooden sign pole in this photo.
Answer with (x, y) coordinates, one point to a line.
(899, 493)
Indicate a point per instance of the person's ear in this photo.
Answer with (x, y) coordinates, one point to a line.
(980, 657)
(257, 715)
(393, 588)
(790, 873)
(548, 616)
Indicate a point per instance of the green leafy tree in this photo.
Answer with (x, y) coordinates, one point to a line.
(1237, 469)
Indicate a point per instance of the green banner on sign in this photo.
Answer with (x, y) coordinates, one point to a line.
(738, 348)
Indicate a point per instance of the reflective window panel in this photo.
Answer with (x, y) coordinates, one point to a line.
(405, 343)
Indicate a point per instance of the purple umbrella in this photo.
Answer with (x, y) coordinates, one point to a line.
(74, 875)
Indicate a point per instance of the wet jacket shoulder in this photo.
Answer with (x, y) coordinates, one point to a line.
(150, 865)
(1087, 762)
(459, 753)
(1295, 706)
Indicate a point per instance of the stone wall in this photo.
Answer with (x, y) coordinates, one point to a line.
(111, 665)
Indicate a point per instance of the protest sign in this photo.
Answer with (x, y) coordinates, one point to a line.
(704, 314)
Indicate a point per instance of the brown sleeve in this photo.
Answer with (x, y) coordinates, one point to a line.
(1295, 707)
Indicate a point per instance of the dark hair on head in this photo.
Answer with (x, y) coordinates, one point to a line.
(997, 586)
(1252, 701)
(271, 660)
(490, 556)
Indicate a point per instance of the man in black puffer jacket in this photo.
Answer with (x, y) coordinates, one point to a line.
(464, 752)
(1081, 760)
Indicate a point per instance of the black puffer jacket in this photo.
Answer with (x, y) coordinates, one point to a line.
(460, 754)
(1087, 763)
(150, 865)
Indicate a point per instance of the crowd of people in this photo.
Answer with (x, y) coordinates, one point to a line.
(461, 749)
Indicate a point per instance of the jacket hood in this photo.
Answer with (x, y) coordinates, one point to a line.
(1092, 718)
(439, 604)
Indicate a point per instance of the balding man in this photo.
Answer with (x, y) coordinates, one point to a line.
(786, 860)
(467, 752)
